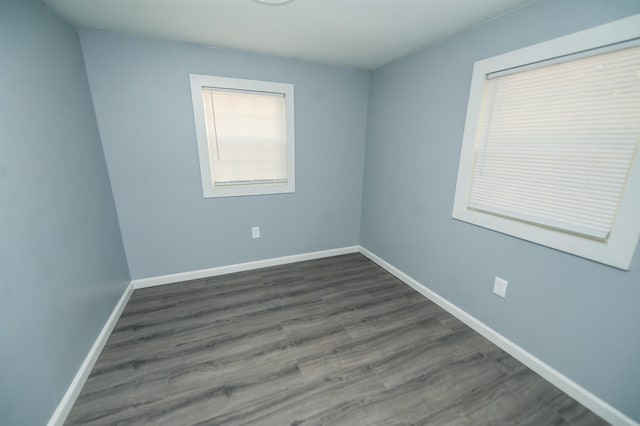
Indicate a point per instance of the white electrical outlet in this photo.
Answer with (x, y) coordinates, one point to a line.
(500, 287)
(255, 232)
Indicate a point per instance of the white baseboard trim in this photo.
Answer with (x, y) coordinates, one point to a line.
(69, 398)
(239, 267)
(568, 386)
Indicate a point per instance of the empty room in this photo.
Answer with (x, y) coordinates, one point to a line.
(303, 212)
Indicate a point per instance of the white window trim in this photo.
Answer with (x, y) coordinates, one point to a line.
(619, 248)
(198, 82)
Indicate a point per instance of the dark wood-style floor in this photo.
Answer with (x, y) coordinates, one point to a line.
(329, 341)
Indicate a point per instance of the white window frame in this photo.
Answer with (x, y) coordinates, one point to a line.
(619, 247)
(209, 190)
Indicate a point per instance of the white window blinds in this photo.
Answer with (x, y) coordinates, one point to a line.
(556, 143)
(246, 135)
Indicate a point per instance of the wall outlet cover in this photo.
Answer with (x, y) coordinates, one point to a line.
(500, 286)
(255, 232)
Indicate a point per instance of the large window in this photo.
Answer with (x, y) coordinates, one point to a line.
(245, 134)
(550, 150)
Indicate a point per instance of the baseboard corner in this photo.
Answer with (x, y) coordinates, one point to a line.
(239, 267)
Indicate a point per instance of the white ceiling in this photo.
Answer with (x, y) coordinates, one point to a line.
(357, 33)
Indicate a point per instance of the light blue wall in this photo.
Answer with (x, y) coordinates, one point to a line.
(580, 317)
(62, 263)
(141, 93)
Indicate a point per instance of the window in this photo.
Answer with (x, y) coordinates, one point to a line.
(245, 134)
(551, 141)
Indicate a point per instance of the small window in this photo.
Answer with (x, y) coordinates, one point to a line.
(551, 144)
(245, 134)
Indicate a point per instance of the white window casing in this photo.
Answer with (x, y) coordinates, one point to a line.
(245, 135)
(551, 141)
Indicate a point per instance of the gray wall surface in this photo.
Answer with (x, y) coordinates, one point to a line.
(142, 98)
(62, 263)
(578, 316)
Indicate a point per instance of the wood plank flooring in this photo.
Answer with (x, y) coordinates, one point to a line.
(334, 341)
